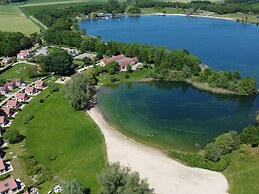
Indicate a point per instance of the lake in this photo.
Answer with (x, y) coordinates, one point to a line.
(221, 44)
(175, 115)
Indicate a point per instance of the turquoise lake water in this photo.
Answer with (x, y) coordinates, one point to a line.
(176, 115)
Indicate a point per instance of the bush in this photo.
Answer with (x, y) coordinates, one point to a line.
(246, 152)
(212, 152)
(250, 135)
(52, 157)
(13, 136)
(196, 160)
(4, 176)
(126, 76)
(41, 100)
(28, 118)
(113, 79)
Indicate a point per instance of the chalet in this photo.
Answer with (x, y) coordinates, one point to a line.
(7, 111)
(121, 60)
(24, 54)
(39, 85)
(10, 85)
(21, 97)
(17, 81)
(12, 104)
(105, 61)
(3, 121)
(4, 89)
(6, 60)
(30, 90)
(8, 186)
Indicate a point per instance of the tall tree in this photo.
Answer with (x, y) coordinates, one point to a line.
(116, 180)
(78, 91)
(73, 187)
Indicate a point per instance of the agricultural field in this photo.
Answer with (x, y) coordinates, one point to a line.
(11, 19)
(22, 71)
(71, 136)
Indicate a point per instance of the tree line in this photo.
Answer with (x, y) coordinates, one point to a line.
(12, 42)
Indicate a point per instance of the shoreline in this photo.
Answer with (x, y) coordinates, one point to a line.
(165, 175)
(191, 16)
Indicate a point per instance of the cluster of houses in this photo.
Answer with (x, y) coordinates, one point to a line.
(7, 113)
(9, 86)
(24, 54)
(6, 60)
(122, 61)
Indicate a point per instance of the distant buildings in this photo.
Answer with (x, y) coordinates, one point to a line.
(6, 60)
(24, 54)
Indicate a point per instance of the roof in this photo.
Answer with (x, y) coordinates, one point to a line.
(12, 103)
(2, 166)
(7, 110)
(17, 80)
(21, 95)
(30, 89)
(135, 59)
(114, 58)
(124, 63)
(8, 184)
(39, 83)
(4, 87)
(9, 83)
(2, 119)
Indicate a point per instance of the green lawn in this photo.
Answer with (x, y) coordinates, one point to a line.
(243, 175)
(12, 20)
(72, 136)
(18, 71)
(168, 10)
(137, 75)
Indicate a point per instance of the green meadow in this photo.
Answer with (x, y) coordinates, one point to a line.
(70, 135)
(12, 20)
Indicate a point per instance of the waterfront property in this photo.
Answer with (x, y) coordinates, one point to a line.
(122, 61)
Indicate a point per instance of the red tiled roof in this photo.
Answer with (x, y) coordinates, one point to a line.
(39, 83)
(8, 184)
(114, 58)
(17, 80)
(2, 119)
(2, 166)
(124, 63)
(4, 87)
(9, 83)
(30, 89)
(7, 111)
(135, 60)
(12, 103)
(21, 95)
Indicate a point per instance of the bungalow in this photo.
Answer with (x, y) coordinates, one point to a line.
(4, 89)
(24, 54)
(7, 111)
(17, 81)
(12, 104)
(39, 84)
(10, 85)
(105, 61)
(6, 60)
(3, 121)
(30, 90)
(22, 97)
(8, 186)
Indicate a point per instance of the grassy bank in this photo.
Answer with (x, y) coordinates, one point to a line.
(19, 71)
(206, 87)
(243, 174)
(71, 136)
(12, 20)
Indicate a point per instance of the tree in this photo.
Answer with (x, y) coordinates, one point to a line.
(249, 85)
(78, 91)
(13, 136)
(250, 135)
(227, 142)
(212, 152)
(116, 179)
(73, 187)
(59, 62)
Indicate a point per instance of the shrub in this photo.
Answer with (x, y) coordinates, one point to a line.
(41, 100)
(52, 157)
(250, 135)
(126, 76)
(27, 118)
(13, 136)
(212, 152)
(113, 79)
(246, 152)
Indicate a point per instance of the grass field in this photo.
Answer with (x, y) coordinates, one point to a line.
(18, 71)
(243, 175)
(72, 136)
(12, 20)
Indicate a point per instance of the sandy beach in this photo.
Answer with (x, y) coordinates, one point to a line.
(200, 16)
(165, 175)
